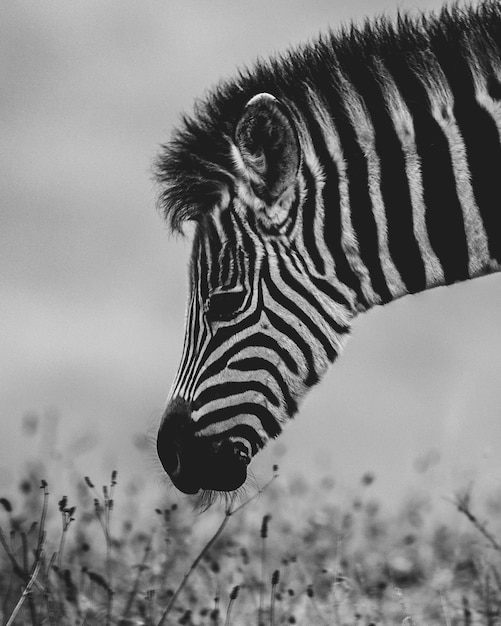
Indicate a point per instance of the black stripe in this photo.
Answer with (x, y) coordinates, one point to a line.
(268, 421)
(255, 363)
(309, 212)
(362, 214)
(313, 328)
(444, 218)
(299, 288)
(332, 214)
(256, 341)
(303, 346)
(320, 283)
(481, 138)
(233, 388)
(402, 244)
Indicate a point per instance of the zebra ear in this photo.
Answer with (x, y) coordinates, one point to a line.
(268, 146)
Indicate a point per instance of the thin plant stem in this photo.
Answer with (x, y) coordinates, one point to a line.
(26, 591)
(195, 563)
(61, 546)
(463, 506)
(229, 513)
(261, 583)
(135, 587)
(15, 565)
(31, 603)
(233, 597)
(103, 514)
(41, 530)
(274, 582)
(18, 570)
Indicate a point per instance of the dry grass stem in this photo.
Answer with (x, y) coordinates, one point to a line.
(462, 503)
(26, 592)
(133, 592)
(230, 511)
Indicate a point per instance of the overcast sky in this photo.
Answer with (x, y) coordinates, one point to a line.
(93, 289)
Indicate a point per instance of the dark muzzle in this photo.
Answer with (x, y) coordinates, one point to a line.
(193, 462)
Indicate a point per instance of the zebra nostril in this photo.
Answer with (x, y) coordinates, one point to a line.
(241, 452)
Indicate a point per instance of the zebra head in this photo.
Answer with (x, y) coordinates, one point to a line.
(264, 317)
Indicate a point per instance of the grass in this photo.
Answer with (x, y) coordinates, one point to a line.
(288, 554)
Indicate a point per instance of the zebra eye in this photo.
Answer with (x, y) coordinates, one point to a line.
(223, 305)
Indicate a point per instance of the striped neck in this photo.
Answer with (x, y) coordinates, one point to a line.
(407, 168)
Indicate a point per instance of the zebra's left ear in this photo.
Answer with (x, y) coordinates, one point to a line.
(268, 146)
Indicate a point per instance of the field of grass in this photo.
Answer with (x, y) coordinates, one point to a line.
(288, 553)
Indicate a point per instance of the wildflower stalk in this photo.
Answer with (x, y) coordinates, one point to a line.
(26, 591)
(67, 518)
(135, 587)
(463, 506)
(31, 603)
(15, 565)
(229, 513)
(43, 516)
(233, 597)
(23, 571)
(103, 513)
(274, 582)
(264, 535)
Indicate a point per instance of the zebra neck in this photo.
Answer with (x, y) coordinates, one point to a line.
(408, 178)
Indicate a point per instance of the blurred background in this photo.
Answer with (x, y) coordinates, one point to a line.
(93, 288)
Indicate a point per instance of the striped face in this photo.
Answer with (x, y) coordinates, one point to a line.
(262, 325)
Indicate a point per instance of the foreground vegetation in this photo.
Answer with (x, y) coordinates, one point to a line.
(284, 554)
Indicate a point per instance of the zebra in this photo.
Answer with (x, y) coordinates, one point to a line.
(344, 174)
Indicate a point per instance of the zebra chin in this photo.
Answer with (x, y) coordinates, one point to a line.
(199, 463)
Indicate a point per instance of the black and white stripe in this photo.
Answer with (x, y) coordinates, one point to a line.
(346, 174)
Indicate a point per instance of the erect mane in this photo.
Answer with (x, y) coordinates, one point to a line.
(195, 167)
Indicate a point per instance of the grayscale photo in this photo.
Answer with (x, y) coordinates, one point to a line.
(250, 343)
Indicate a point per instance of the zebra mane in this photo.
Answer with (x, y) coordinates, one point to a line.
(195, 168)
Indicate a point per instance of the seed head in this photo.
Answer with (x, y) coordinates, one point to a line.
(264, 526)
(310, 591)
(275, 577)
(6, 504)
(234, 592)
(88, 482)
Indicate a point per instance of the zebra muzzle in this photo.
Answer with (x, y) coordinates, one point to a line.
(197, 462)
